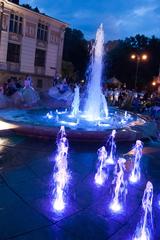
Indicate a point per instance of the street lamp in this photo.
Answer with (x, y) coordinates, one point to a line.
(153, 83)
(138, 58)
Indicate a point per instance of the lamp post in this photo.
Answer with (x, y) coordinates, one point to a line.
(1, 18)
(138, 58)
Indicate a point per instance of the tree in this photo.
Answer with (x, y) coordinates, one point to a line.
(120, 65)
(67, 69)
(27, 6)
(30, 8)
(76, 51)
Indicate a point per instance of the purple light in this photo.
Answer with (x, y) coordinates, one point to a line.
(115, 206)
(143, 231)
(136, 172)
(100, 175)
(61, 176)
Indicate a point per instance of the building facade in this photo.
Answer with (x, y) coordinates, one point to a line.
(30, 44)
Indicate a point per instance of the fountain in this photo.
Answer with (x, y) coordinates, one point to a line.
(100, 175)
(145, 227)
(92, 120)
(95, 106)
(111, 148)
(136, 172)
(120, 190)
(61, 176)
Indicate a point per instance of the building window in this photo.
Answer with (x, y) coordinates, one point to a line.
(42, 32)
(40, 56)
(13, 53)
(55, 37)
(15, 24)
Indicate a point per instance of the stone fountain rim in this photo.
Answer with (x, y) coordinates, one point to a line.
(131, 133)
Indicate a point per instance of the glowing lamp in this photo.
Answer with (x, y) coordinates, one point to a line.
(133, 56)
(144, 57)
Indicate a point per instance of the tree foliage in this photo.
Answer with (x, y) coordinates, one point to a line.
(120, 65)
(117, 60)
(76, 51)
(30, 8)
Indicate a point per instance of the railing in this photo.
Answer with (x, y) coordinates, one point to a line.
(41, 44)
(13, 67)
(39, 70)
(3, 66)
(15, 37)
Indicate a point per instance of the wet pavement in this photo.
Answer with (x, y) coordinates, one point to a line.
(26, 186)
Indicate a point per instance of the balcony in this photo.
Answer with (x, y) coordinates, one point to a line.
(41, 44)
(13, 67)
(15, 37)
(39, 70)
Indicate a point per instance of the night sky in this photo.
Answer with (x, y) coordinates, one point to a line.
(121, 18)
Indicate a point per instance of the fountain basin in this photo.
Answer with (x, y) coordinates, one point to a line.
(37, 123)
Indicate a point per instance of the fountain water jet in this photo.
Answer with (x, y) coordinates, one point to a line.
(136, 172)
(61, 176)
(111, 148)
(95, 107)
(100, 175)
(145, 227)
(104, 106)
(76, 102)
(61, 134)
(120, 190)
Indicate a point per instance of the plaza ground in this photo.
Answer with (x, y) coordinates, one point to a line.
(26, 192)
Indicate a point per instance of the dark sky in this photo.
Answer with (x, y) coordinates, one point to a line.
(121, 18)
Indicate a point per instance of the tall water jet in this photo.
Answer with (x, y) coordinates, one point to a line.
(94, 107)
(76, 102)
(145, 227)
(100, 175)
(61, 176)
(111, 148)
(60, 135)
(136, 172)
(120, 191)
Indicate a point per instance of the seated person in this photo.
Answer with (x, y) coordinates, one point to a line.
(11, 87)
(3, 99)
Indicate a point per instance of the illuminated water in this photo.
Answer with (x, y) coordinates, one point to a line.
(93, 115)
(49, 118)
(136, 172)
(76, 102)
(120, 190)
(101, 175)
(95, 106)
(111, 148)
(61, 175)
(145, 227)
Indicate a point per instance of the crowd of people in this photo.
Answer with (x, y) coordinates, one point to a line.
(137, 101)
(11, 86)
(62, 89)
(141, 102)
(14, 92)
(22, 92)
